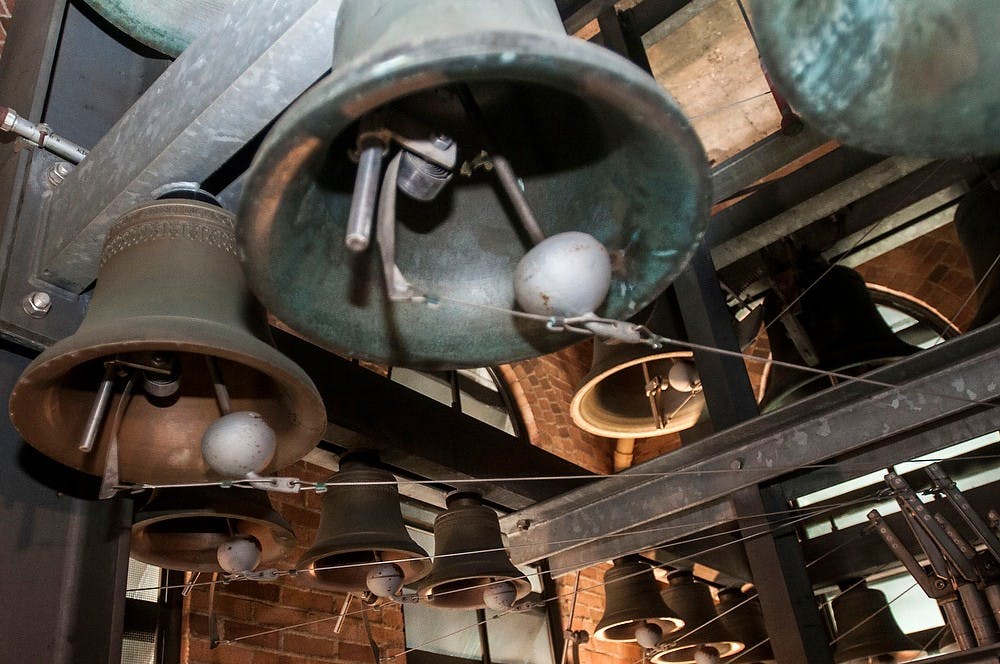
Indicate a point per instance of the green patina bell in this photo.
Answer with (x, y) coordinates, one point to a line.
(594, 145)
(889, 76)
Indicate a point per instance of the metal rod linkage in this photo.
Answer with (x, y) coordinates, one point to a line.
(512, 187)
(366, 183)
(40, 135)
(96, 417)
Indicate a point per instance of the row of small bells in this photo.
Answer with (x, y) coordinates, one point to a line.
(682, 623)
(361, 544)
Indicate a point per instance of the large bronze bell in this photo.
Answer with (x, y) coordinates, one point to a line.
(888, 76)
(692, 601)
(469, 557)
(842, 326)
(170, 296)
(594, 145)
(977, 219)
(182, 529)
(632, 599)
(633, 391)
(361, 523)
(742, 617)
(866, 630)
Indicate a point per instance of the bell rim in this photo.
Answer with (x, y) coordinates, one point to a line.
(154, 333)
(521, 587)
(725, 648)
(281, 531)
(590, 382)
(384, 72)
(412, 557)
(667, 624)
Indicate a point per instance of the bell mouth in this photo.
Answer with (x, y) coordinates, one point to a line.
(349, 570)
(598, 146)
(468, 592)
(685, 654)
(624, 631)
(159, 440)
(190, 542)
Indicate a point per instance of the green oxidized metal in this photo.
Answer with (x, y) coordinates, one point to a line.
(165, 25)
(889, 76)
(600, 147)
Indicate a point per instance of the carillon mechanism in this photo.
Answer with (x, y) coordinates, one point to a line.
(887, 76)
(170, 378)
(633, 608)
(360, 527)
(496, 163)
(834, 322)
(210, 529)
(471, 567)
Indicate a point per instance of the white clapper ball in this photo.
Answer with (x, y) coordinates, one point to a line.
(238, 444)
(499, 596)
(648, 634)
(683, 376)
(567, 274)
(240, 554)
(385, 580)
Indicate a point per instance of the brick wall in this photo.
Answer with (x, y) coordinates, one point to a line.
(932, 268)
(244, 608)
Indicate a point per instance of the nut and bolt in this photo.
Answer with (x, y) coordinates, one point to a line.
(37, 304)
(442, 142)
(523, 524)
(736, 464)
(58, 172)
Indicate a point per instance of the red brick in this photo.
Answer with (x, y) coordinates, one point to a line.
(301, 644)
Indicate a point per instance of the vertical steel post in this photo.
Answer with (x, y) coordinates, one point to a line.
(790, 613)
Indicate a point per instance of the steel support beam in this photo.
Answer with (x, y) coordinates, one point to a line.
(933, 389)
(225, 88)
(822, 205)
(773, 553)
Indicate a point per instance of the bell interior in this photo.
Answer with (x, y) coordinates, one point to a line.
(159, 437)
(585, 165)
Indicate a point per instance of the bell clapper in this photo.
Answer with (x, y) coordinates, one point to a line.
(500, 596)
(648, 634)
(385, 580)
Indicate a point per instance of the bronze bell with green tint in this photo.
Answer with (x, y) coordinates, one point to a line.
(888, 76)
(130, 395)
(594, 145)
